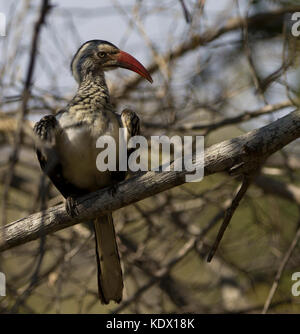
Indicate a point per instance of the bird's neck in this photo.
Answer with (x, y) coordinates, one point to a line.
(92, 92)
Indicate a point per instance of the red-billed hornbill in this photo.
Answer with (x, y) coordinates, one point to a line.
(68, 154)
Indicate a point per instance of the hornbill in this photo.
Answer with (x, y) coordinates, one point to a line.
(67, 148)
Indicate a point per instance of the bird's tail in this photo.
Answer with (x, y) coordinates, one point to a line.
(110, 280)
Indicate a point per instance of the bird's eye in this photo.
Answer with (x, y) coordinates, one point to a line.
(101, 54)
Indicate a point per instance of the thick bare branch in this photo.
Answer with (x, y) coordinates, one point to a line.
(242, 151)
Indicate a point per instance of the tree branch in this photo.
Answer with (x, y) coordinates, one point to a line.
(243, 151)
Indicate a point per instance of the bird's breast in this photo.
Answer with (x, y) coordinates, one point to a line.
(76, 143)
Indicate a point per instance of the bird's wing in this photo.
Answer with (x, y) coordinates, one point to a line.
(131, 122)
(46, 130)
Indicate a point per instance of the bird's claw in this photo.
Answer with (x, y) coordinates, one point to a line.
(71, 207)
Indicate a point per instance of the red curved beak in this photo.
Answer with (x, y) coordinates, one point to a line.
(125, 60)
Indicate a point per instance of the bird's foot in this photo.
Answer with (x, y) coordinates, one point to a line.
(71, 207)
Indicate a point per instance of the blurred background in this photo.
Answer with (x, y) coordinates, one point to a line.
(220, 69)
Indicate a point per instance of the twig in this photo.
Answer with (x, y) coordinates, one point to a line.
(248, 52)
(186, 13)
(280, 270)
(137, 22)
(243, 117)
(229, 213)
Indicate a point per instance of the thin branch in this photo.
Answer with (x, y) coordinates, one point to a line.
(25, 98)
(229, 213)
(243, 117)
(186, 13)
(280, 270)
(249, 56)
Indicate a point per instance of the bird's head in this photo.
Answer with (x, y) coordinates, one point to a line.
(97, 56)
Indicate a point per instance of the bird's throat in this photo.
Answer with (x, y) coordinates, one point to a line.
(92, 93)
